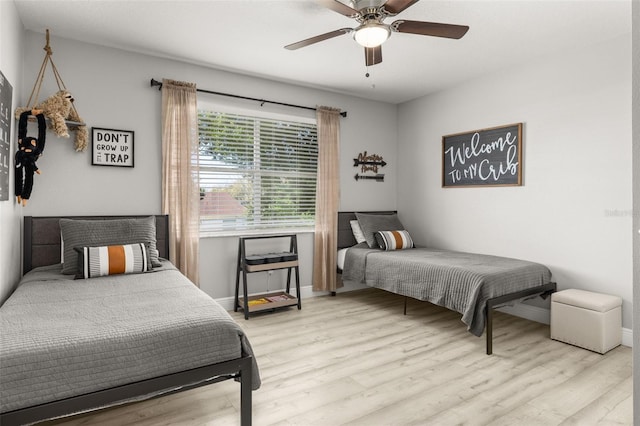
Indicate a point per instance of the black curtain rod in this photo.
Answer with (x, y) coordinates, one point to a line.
(157, 83)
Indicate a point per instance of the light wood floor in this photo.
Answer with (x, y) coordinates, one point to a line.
(355, 359)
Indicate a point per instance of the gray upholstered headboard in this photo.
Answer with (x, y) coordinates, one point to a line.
(345, 234)
(41, 241)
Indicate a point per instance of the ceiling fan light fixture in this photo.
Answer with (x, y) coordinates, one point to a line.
(372, 34)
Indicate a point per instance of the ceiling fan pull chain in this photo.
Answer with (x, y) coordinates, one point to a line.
(368, 75)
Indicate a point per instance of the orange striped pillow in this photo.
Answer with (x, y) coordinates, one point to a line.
(394, 240)
(111, 260)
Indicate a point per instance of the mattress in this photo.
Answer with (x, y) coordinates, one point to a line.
(459, 281)
(61, 337)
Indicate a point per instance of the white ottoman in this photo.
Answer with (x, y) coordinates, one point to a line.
(590, 320)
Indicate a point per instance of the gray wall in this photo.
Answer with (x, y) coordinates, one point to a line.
(112, 90)
(573, 212)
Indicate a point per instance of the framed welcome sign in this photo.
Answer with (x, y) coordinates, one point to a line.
(486, 157)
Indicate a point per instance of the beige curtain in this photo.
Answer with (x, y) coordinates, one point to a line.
(180, 186)
(327, 200)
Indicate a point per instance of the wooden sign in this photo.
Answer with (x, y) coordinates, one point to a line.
(369, 162)
(487, 157)
(6, 159)
(111, 147)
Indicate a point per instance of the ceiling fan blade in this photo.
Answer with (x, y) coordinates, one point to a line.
(339, 7)
(373, 55)
(321, 37)
(396, 6)
(430, 28)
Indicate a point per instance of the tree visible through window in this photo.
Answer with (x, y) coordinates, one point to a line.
(256, 173)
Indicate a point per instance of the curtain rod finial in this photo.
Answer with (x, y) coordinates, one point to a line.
(155, 82)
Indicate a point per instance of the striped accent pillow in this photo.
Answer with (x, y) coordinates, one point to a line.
(394, 240)
(111, 260)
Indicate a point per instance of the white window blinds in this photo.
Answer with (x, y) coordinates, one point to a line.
(255, 173)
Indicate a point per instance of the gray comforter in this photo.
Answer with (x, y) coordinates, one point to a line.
(462, 282)
(61, 337)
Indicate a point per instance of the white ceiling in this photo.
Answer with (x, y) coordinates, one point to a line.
(247, 36)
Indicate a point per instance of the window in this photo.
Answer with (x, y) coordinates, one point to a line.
(255, 173)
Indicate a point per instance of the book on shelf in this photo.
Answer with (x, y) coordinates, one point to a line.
(260, 301)
(278, 298)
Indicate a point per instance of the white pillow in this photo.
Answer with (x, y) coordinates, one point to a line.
(357, 231)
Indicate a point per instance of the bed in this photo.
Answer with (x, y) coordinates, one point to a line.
(69, 346)
(471, 284)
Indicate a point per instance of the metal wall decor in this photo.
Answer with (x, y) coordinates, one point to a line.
(369, 163)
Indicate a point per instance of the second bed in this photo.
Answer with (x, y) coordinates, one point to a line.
(468, 283)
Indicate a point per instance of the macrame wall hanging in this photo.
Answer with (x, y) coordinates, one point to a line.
(58, 108)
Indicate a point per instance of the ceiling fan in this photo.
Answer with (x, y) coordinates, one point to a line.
(372, 31)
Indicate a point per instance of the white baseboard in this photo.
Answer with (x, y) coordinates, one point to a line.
(627, 337)
(532, 313)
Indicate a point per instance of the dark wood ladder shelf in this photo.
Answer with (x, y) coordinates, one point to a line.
(266, 262)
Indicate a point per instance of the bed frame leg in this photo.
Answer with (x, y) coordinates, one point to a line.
(498, 301)
(246, 377)
(405, 304)
(489, 329)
